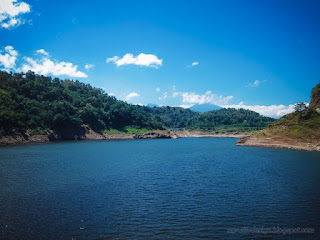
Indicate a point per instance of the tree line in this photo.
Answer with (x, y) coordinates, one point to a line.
(31, 103)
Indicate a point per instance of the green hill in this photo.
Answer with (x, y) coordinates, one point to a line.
(229, 120)
(172, 117)
(303, 125)
(33, 103)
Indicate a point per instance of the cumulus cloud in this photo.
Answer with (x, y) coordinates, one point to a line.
(158, 89)
(111, 94)
(148, 60)
(11, 11)
(275, 111)
(208, 97)
(8, 60)
(45, 66)
(88, 66)
(132, 95)
(42, 51)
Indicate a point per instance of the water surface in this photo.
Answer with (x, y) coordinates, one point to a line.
(187, 188)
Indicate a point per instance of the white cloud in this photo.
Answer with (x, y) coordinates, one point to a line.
(194, 64)
(113, 59)
(186, 105)
(88, 66)
(8, 60)
(45, 66)
(10, 11)
(42, 51)
(208, 97)
(142, 59)
(111, 94)
(158, 89)
(274, 111)
(256, 83)
(165, 95)
(175, 94)
(132, 95)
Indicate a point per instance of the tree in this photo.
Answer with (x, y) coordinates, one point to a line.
(298, 107)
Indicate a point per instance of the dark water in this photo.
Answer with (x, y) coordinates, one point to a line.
(187, 188)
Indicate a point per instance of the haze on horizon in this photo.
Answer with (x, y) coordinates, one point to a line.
(262, 56)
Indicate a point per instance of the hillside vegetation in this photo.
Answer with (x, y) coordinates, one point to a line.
(302, 125)
(297, 125)
(228, 120)
(172, 117)
(33, 104)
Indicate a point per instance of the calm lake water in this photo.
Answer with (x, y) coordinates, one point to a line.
(187, 188)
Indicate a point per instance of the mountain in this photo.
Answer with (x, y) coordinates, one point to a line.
(152, 105)
(205, 107)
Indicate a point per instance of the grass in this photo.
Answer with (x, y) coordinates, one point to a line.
(127, 130)
(297, 125)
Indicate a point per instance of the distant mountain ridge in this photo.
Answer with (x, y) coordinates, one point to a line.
(205, 107)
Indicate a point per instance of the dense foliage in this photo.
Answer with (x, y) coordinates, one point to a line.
(229, 119)
(36, 103)
(172, 117)
(31, 103)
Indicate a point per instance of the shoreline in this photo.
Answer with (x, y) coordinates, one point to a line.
(280, 143)
(244, 139)
(20, 140)
(201, 134)
(90, 135)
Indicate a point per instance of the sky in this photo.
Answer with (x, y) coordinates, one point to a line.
(258, 55)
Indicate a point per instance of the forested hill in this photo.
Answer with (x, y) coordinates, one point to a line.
(172, 117)
(36, 103)
(229, 120)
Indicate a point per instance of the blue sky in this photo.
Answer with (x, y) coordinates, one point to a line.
(260, 55)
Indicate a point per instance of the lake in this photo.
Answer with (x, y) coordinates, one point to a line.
(188, 188)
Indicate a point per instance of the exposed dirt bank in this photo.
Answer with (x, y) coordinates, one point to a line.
(210, 135)
(312, 145)
(86, 134)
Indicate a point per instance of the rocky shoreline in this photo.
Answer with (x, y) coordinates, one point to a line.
(88, 134)
(244, 139)
(279, 143)
(201, 134)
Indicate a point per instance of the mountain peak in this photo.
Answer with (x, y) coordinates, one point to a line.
(205, 107)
